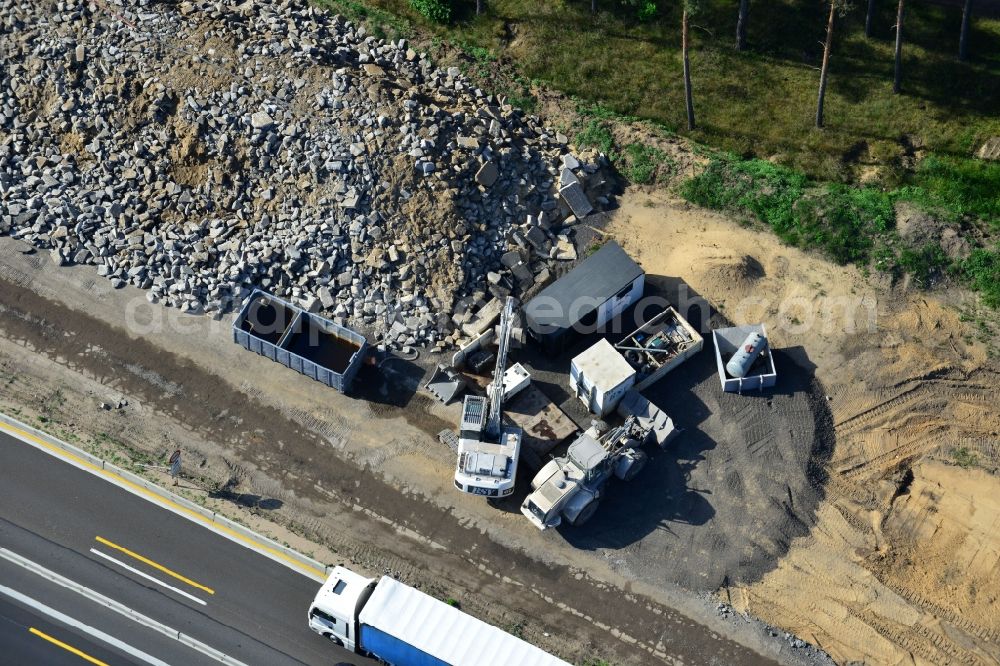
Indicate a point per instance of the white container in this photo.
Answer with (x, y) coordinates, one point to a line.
(600, 377)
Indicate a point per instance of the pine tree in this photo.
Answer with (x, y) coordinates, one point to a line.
(691, 8)
(897, 77)
(963, 37)
(741, 25)
(868, 18)
(836, 6)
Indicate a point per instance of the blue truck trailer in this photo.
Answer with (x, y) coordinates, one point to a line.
(403, 626)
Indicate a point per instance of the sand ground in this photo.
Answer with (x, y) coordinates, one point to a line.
(902, 564)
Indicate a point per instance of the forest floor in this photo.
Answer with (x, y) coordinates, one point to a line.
(759, 102)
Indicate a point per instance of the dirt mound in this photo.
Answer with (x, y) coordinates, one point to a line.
(729, 271)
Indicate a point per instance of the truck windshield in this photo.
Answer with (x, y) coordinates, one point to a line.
(578, 463)
(538, 513)
(315, 612)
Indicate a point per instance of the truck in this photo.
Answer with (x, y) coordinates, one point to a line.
(570, 487)
(488, 447)
(401, 626)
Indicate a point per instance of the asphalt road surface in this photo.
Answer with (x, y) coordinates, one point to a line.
(82, 559)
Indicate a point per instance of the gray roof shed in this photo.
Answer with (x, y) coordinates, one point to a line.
(597, 279)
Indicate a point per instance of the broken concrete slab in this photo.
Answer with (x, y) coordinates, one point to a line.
(487, 174)
(567, 177)
(990, 150)
(326, 297)
(538, 240)
(564, 250)
(577, 201)
(511, 259)
(483, 319)
(522, 273)
(261, 120)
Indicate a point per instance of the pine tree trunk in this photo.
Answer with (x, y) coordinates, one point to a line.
(826, 64)
(593, 6)
(868, 18)
(687, 70)
(741, 25)
(963, 38)
(897, 78)
(479, 7)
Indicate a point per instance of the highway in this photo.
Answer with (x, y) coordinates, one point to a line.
(92, 573)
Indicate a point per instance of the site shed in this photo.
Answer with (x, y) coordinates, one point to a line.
(583, 300)
(412, 628)
(305, 342)
(600, 376)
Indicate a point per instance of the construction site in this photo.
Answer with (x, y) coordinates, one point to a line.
(397, 323)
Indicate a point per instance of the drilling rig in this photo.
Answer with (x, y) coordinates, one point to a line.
(488, 448)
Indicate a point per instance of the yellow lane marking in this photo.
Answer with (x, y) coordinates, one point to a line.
(155, 565)
(158, 499)
(68, 648)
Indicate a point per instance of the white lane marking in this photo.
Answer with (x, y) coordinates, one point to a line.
(147, 576)
(80, 626)
(164, 499)
(119, 608)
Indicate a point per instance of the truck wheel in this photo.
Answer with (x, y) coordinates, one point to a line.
(638, 462)
(586, 514)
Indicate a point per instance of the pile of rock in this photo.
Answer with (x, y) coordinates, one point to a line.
(199, 149)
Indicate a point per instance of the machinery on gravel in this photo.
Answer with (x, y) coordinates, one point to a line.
(488, 448)
(571, 487)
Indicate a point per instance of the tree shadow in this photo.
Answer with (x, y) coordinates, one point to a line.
(248, 500)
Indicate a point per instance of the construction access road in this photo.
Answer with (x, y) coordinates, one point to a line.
(81, 558)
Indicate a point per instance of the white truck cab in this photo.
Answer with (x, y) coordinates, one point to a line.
(334, 612)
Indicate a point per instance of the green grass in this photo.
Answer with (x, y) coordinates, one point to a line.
(957, 187)
(596, 134)
(438, 11)
(516, 629)
(849, 224)
(757, 188)
(981, 271)
(963, 457)
(760, 102)
(642, 164)
(384, 24)
(924, 263)
(594, 247)
(639, 163)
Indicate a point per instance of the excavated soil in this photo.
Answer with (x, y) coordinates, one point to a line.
(901, 562)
